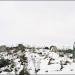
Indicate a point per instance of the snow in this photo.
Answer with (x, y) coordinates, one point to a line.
(40, 63)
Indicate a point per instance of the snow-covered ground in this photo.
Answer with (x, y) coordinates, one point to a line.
(39, 62)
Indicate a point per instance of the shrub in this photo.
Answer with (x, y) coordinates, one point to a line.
(36, 70)
(7, 70)
(0, 71)
(40, 53)
(4, 62)
(69, 51)
(23, 59)
(22, 72)
(21, 47)
(46, 48)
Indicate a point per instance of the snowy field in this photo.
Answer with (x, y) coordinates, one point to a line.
(39, 61)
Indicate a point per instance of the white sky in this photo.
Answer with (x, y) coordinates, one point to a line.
(40, 23)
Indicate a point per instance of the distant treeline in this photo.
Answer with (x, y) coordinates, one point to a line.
(66, 51)
(21, 47)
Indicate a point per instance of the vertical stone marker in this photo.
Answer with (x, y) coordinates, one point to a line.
(74, 52)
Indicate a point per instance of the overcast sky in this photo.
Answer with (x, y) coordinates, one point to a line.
(37, 23)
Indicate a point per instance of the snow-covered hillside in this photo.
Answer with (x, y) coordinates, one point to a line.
(41, 61)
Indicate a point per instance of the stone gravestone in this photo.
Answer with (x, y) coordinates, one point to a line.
(74, 52)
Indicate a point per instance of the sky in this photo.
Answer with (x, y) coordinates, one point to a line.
(37, 23)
